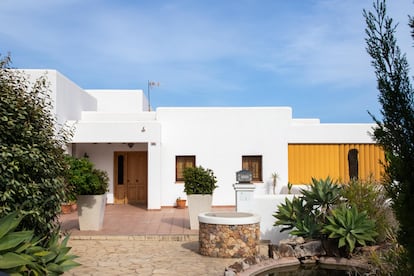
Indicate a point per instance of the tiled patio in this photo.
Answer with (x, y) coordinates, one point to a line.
(135, 220)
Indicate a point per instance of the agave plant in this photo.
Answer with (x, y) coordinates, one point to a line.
(307, 227)
(289, 213)
(22, 254)
(350, 227)
(323, 194)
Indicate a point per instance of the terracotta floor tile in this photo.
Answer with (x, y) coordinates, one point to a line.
(136, 220)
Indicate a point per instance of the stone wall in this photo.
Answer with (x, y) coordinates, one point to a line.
(229, 241)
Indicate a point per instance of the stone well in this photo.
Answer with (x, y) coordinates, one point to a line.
(229, 234)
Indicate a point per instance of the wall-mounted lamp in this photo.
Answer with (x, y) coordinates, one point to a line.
(130, 145)
(143, 129)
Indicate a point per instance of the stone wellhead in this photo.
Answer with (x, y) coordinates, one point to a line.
(229, 234)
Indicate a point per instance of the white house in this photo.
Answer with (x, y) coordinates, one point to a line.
(144, 151)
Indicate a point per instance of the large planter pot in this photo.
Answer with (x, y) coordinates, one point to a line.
(198, 204)
(91, 211)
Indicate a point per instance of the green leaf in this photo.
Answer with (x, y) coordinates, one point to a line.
(13, 239)
(48, 257)
(11, 260)
(65, 241)
(69, 264)
(52, 267)
(23, 247)
(9, 223)
(62, 254)
(341, 242)
(351, 242)
(34, 249)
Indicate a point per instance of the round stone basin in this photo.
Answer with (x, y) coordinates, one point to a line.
(229, 234)
(228, 218)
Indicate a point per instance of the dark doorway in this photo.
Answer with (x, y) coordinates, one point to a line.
(353, 164)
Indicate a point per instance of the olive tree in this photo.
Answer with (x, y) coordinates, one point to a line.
(32, 157)
(394, 132)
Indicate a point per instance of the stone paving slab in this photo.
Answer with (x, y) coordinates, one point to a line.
(143, 257)
(135, 241)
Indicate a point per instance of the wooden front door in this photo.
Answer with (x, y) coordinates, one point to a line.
(130, 177)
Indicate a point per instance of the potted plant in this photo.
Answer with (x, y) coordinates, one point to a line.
(199, 184)
(66, 207)
(69, 205)
(181, 203)
(69, 201)
(90, 186)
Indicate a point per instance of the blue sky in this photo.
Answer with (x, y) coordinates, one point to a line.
(307, 54)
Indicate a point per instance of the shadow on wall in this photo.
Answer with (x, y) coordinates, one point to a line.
(265, 206)
(295, 190)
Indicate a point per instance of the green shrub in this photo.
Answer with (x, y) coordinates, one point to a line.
(198, 180)
(83, 179)
(370, 197)
(22, 254)
(394, 130)
(31, 152)
(392, 261)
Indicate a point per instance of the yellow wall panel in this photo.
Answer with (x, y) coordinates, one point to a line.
(321, 160)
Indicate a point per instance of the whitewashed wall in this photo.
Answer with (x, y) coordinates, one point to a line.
(69, 100)
(119, 101)
(265, 206)
(301, 132)
(219, 137)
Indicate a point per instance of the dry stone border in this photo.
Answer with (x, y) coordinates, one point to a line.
(291, 252)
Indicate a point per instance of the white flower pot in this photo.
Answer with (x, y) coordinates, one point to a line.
(91, 211)
(198, 204)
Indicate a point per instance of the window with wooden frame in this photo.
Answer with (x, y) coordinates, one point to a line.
(253, 163)
(182, 162)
